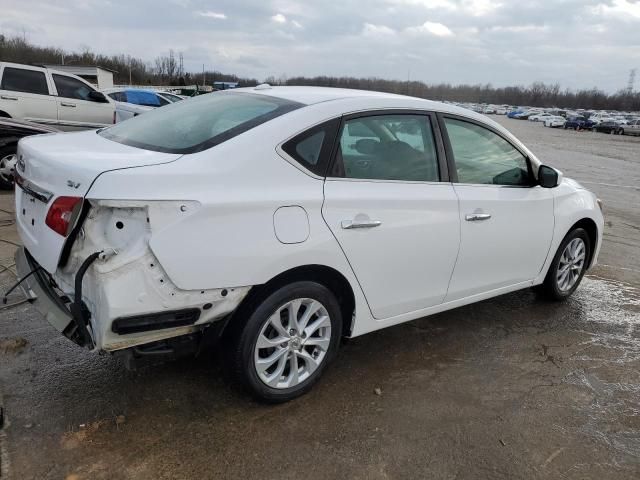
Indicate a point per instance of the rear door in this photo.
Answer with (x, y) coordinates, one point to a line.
(386, 205)
(25, 94)
(76, 110)
(506, 218)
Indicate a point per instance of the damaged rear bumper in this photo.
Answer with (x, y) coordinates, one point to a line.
(127, 325)
(43, 296)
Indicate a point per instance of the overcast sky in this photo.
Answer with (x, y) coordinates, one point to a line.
(578, 43)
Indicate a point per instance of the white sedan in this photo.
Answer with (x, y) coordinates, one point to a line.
(554, 121)
(279, 220)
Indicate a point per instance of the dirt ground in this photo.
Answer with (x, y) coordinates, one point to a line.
(509, 388)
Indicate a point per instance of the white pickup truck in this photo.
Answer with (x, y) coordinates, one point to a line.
(50, 97)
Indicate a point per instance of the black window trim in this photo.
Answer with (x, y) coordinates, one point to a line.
(443, 168)
(453, 171)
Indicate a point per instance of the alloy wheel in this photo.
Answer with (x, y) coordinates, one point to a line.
(571, 264)
(292, 343)
(7, 167)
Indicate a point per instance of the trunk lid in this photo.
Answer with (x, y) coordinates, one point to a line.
(51, 166)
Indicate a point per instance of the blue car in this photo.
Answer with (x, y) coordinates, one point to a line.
(513, 113)
(578, 123)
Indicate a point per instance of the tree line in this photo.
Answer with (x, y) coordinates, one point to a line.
(169, 70)
(163, 70)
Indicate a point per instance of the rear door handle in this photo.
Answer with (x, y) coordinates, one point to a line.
(350, 224)
(65, 104)
(477, 217)
(7, 97)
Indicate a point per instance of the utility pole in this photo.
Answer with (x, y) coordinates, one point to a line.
(632, 81)
(129, 71)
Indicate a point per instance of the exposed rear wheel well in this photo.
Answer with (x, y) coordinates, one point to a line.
(4, 114)
(592, 231)
(327, 276)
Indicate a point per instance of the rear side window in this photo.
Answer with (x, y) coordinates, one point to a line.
(312, 149)
(200, 123)
(69, 87)
(28, 81)
(387, 147)
(119, 96)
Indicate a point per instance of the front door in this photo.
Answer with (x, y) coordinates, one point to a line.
(397, 224)
(76, 110)
(506, 219)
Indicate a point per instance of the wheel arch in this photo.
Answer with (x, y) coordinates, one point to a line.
(592, 231)
(4, 114)
(331, 278)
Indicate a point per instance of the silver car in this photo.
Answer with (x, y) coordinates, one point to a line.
(631, 128)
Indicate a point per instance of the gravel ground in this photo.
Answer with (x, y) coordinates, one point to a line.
(513, 387)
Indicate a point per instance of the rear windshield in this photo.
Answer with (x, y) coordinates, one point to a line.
(198, 123)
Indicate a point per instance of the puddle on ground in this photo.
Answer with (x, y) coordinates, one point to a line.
(608, 364)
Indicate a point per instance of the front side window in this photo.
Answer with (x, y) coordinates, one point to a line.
(69, 87)
(484, 157)
(387, 147)
(21, 80)
(200, 123)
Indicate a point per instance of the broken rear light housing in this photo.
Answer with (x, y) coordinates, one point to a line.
(62, 214)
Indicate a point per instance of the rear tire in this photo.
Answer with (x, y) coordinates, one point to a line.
(268, 345)
(568, 266)
(7, 159)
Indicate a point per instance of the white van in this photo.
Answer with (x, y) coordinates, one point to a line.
(51, 97)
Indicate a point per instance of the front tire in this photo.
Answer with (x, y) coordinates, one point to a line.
(568, 266)
(287, 341)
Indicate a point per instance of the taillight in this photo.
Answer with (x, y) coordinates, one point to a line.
(62, 213)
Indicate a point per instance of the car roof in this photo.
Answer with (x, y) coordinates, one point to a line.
(369, 99)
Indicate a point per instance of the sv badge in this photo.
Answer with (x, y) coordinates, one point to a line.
(72, 184)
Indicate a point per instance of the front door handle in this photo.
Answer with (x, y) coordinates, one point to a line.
(7, 97)
(350, 224)
(65, 104)
(477, 217)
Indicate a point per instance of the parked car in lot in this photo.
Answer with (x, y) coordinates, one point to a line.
(11, 131)
(578, 123)
(539, 117)
(49, 97)
(288, 218)
(610, 126)
(131, 102)
(554, 121)
(631, 128)
(171, 97)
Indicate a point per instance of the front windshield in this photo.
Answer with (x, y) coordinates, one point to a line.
(199, 123)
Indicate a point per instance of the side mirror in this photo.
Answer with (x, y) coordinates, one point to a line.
(548, 177)
(98, 97)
